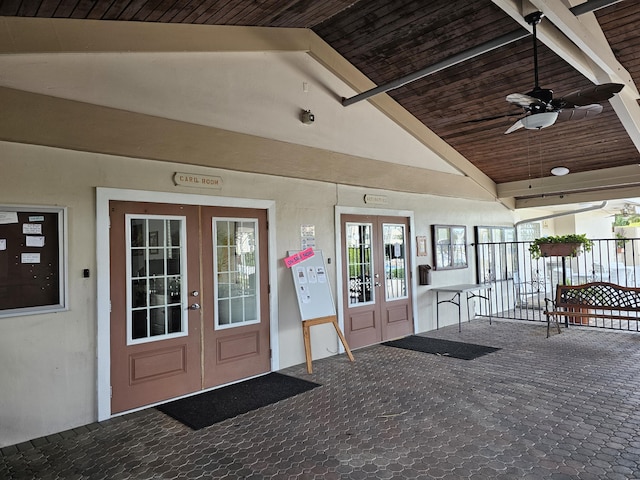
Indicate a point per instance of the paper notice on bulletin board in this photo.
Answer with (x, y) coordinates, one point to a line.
(313, 290)
(8, 217)
(307, 236)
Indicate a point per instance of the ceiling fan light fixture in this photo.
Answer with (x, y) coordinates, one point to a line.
(538, 121)
(559, 171)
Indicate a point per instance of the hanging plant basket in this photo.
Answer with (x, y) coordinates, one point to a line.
(560, 246)
(559, 249)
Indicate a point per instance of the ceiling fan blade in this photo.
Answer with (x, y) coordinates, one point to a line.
(579, 113)
(516, 126)
(521, 99)
(587, 96)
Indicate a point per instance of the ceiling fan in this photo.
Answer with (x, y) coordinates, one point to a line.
(542, 110)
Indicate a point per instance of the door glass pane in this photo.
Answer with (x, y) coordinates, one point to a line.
(173, 261)
(138, 263)
(139, 290)
(175, 318)
(155, 277)
(235, 271)
(138, 233)
(360, 262)
(158, 326)
(174, 232)
(139, 324)
(395, 262)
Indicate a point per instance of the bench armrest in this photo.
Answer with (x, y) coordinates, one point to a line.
(549, 304)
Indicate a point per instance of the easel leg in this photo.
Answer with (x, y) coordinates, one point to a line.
(307, 345)
(342, 339)
(306, 326)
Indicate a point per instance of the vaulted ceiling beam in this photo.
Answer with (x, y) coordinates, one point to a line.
(466, 54)
(606, 178)
(592, 44)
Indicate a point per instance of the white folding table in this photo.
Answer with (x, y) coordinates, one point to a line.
(483, 291)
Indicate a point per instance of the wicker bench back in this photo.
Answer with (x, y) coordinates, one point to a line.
(600, 295)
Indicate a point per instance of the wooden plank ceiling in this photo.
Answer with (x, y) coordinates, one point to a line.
(387, 39)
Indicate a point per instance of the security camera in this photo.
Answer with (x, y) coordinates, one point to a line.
(307, 117)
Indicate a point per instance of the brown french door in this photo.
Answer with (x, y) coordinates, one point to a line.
(376, 278)
(189, 304)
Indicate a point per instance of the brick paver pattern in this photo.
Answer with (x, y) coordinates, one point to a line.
(567, 407)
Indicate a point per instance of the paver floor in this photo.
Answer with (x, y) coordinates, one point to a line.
(567, 407)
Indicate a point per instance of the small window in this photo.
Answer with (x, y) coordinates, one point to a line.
(360, 263)
(395, 261)
(496, 253)
(156, 273)
(449, 246)
(236, 270)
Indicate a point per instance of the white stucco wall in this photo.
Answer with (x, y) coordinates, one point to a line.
(257, 93)
(49, 360)
(596, 224)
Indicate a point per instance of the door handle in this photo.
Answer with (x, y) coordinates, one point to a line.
(194, 306)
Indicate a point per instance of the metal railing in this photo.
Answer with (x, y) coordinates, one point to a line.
(521, 283)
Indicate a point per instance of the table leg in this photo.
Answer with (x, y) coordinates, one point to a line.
(490, 309)
(460, 312)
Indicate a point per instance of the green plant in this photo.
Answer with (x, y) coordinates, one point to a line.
(621, 239)
(620, 220)
(578, 238)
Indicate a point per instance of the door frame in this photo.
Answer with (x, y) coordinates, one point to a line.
(385, 212)
(103, 274)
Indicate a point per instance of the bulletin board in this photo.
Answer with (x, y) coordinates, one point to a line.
(312, 287)
(31, 259)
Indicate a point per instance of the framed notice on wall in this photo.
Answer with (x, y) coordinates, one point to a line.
(32, 259)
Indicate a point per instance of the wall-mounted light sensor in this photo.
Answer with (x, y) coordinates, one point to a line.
(307, 117)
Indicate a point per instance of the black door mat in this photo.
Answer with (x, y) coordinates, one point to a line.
(445, 348)
(205, 409)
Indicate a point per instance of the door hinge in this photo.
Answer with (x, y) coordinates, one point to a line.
(110, 391)
(270, 353)
(109, 305)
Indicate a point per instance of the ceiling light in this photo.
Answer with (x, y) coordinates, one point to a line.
(559, 171)
(537, 121)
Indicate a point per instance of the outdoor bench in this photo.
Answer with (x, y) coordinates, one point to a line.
(593, 300)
